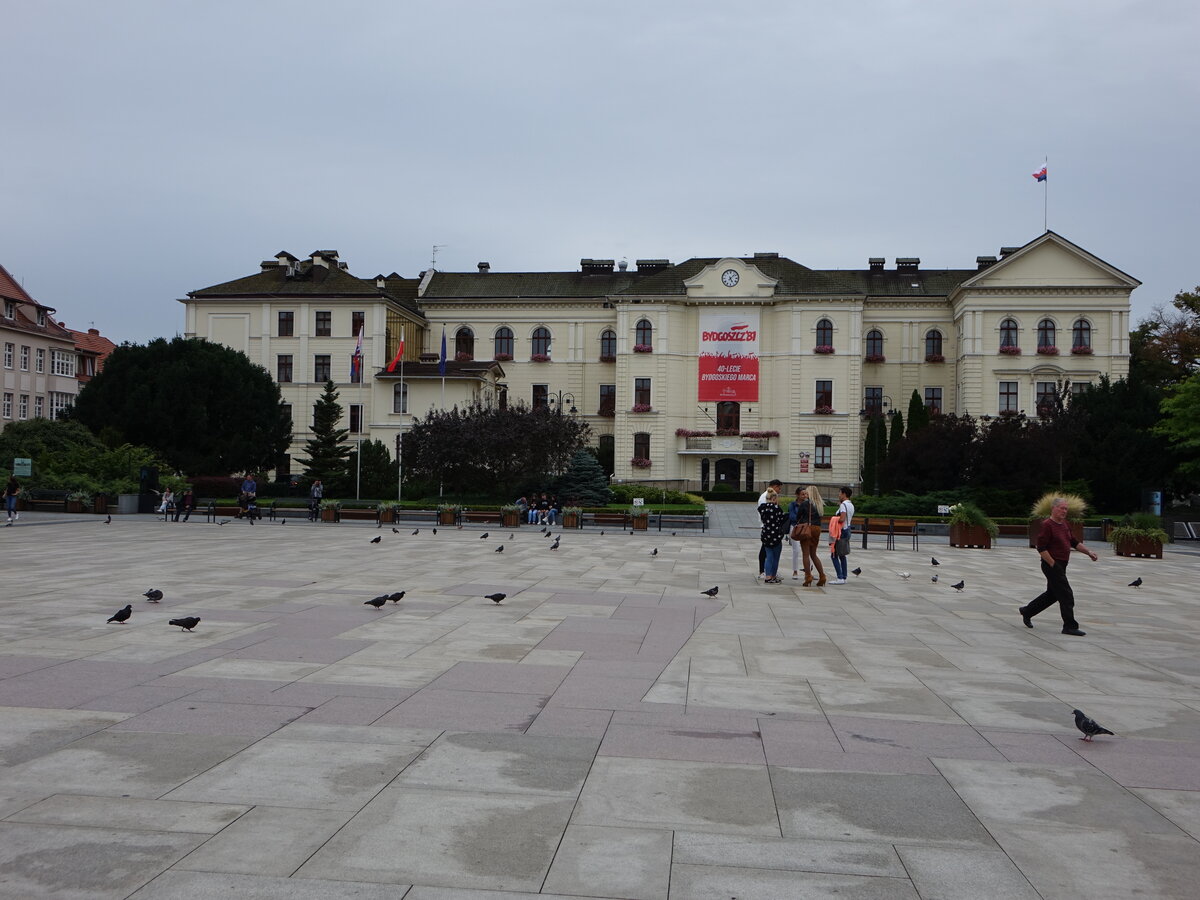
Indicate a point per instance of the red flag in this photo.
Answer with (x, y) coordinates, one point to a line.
(399, 353)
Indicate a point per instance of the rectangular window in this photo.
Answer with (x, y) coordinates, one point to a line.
(59, 401)
(356, 418)
(287, 323)
(8, 406)
(824, 395)
(400, 398)
(1047, 397)
(641, 445)
(285, 410)
(933, 400)
(24, 358)
(321, 368)
(541, 395)
(41, 318)
(39, 360)
(823, 452)
(641, 392)
(39, 407)
(1008, 397)
(62, 363)
(88, 365)
(1078, 387)
(10, 309)
(608, 400)
(873, 401)
(23, 407)
(9, 350)
(357, 322)
(324, 324)
(283, 368)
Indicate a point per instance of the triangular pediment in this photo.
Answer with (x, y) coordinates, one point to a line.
(730, 279)
(1051, 261)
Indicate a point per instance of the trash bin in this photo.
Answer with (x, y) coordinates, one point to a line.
(127, 504)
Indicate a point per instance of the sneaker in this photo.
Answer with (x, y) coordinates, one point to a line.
(838, 581)
(17, 517)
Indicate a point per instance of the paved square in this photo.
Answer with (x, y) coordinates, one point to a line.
(607, 731)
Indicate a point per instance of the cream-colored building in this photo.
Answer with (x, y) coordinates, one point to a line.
(37, 378)
(714, 370)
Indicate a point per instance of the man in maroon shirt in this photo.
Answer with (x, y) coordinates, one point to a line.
(1054, 544)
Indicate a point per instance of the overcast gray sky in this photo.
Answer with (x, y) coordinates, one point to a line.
(152, 148)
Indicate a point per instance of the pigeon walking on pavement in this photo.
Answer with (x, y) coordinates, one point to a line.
(933, 561)
(1089, 727)
(187, 623)
(395, 530)
(485, 534)
(1137, 582)
(153, 595)
(396, 597)
(499, 548)
(934, 579)
(376, 602)
(495, 598)
(654, 552)
(377, 539)
(712, 591)
(856, 572)
(958, 587)
(108, 520)
(121, 616)
(416, 531)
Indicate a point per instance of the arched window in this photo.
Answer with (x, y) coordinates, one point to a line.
(1010, 333)
(824, 333)
(1045, 334)
(729, 416)
(541, 341)
(608, 344)
(874, 342)
(1081, 335)
(933, 343)
(644, 334)
(464, 344)
(504, 343)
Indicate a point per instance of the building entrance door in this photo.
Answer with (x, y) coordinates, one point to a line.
(729, 472)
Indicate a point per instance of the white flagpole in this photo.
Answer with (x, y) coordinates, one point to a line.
(400, 446)
(1046, 197)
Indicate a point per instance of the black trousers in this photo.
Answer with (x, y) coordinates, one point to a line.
(1058, 590)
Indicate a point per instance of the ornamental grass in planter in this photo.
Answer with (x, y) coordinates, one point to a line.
(387, 510)
(448, 513)
(1076, 509)
(971, 527)
(510, 515)
(639, 518)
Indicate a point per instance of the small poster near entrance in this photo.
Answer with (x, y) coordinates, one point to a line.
(804, 462)
(728, 354)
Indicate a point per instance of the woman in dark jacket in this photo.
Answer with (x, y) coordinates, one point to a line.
(774, 524)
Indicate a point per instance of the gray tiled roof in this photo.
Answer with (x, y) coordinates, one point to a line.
(446, 286)
(311, 281)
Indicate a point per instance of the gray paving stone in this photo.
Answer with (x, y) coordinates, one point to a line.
(29, 733)
(723, 882)
(612, 862)
(836, 857)
(179, 884)
(266, 841)
(939, 873)
(129, 813)
(502, 763)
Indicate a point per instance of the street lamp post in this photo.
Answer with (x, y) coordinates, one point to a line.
(563, 398)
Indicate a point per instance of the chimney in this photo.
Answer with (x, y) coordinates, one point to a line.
(876, 263)
(1005, 251)
(982, 262)
(92, 330)
(380, 282)
(484, 267)
(623, 265)
(596, 266)
(908, 264)
(768, 255)
(650, 266)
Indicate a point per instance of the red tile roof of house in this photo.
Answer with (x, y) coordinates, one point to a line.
(10, 290)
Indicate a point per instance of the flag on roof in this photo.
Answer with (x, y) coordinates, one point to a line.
(356, 359)
(399, 353)
(1040, 174)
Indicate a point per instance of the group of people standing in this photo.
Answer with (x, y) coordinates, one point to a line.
(802, 525)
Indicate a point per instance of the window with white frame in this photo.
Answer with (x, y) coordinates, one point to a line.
(62, 363)
(39, 407)
(10, 309)
(933, 400)
(8, 406)
(400, 398)
(823, 452)
(1008, 397)
(1081, 336)
(9, 350)
(1047, 397)
(39, 360)
(41, 317)
(59, 401)
(24, 358)
(23, 407)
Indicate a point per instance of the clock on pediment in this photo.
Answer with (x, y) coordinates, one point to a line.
(730, 278)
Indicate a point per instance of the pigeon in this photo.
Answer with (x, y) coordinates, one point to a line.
(856, 572)
(958, 587)
(153, 595)
(224, 521)
(712, 591)
(121, 616)
(495, 598)
(549, 533)
(1089, 727)
(416, 531)
(554, 546)
(108, 520)
(485, 534)
(510, 537)
(602, 532)
(654, 552)
(672, 534)
(500, 548)
(395, 530)
(377, 539)
(376, 602)
(187, 623)
(934, 579)
(933, 561)
(1137, 582)
(283, 521)
(396, 597)
(544, 529)
(435, 531)
(906, 575)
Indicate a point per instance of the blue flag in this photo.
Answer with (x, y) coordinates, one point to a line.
(442, 361)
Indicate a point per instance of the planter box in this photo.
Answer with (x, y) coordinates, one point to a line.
(387, 516)
(100, 504)
(640, 523)
(446, 517)
(970, 536)
(74, 506)
(329, 515)
(570, 520)
(1142, 547)
(511, 519)
(1036, 526)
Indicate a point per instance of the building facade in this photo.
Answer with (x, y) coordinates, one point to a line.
(711, 371)
(37, 379)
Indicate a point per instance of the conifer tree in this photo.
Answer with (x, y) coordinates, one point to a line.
(897, 431)
(584, 483)
(918, 415)
(326, 452)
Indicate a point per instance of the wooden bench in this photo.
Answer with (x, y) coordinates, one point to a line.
(487, 516)
(889, 527)
(605, 519)
(1013, 530)
(682, 520)
(213, 511)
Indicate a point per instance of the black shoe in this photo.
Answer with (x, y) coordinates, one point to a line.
(1075, 631)
(1025, 617)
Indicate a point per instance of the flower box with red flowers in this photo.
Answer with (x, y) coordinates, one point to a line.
(824, 411)
(823, 349)
(822, 465)
(728, 432)
(643, 348)
(540, 357)
(608, 359)
(463, 356)
(689, 432)
(934, 358)
(502, 357)
(1081, 350)
(1047, 351)
(640, 462)
(760, 434)
(1010, 350)
(641, 407)
(875, 358)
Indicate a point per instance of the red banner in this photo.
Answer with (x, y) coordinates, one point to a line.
(728, 354)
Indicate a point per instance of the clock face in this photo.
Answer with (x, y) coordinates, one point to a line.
(730, 278)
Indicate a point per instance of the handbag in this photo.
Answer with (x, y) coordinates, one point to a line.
(799, 532)
(841, 546)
